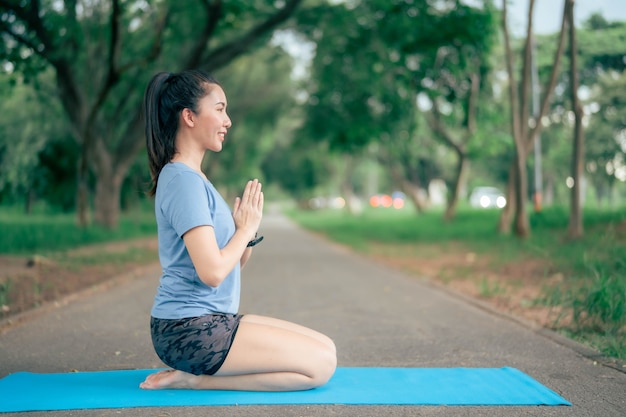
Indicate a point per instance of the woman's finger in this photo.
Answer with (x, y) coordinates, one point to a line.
(261, 199)
(257, 192)
(247, 192)
(255, 189)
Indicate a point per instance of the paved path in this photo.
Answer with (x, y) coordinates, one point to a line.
(377, 317)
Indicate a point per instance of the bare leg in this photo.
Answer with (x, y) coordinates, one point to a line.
(270, 321)
(267, 355)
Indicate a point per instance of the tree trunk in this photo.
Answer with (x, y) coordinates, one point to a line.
(523, 136)
(30, 201)
(414, 194)
(107, 200)
(462, 169)
(548, 192)
(411, 190)
(522, 226)
(82, 187)
(458, 145)
(575, 229)
(110, 170)
(82, 203)
(347, 191)
(504, 223)
(518, 127)
(610, 193)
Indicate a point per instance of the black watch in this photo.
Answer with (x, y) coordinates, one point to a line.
(255, 241)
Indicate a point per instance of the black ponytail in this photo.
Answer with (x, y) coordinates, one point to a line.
(166, 96)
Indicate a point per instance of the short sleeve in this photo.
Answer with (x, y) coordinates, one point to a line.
(187, 205)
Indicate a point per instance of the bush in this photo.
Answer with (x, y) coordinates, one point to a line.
(599, 305)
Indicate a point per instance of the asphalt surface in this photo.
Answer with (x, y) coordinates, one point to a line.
(377, 317)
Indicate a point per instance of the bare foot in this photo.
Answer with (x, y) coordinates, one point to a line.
(169, 379)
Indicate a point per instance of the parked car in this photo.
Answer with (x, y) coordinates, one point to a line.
(487, 197)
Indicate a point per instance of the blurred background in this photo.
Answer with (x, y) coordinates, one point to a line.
(340, 104)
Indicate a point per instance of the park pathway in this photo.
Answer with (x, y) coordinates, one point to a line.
(377, 317)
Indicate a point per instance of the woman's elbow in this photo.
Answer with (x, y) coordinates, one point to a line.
(211, 279)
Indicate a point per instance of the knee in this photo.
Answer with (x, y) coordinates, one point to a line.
(325, 366)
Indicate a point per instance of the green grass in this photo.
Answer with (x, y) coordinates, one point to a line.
(134, 255)
(43, 233)
(489, 289)
(603, 245)
(594, 290)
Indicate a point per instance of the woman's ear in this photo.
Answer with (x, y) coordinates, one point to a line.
(188, 117)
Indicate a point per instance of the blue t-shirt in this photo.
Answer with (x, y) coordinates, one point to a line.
(184, 200)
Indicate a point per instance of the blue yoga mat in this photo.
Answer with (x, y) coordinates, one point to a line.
(25, 391)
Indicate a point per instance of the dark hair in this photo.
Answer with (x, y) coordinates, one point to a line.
(166, 96)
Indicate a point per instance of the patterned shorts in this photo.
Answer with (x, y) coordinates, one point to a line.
(196, 345)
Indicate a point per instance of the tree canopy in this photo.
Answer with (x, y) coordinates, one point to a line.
(101, 51)
(416, 89)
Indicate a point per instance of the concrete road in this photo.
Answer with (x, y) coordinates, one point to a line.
(377, 317)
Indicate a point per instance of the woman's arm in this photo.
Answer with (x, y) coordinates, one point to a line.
(245, 257)
(212, 263)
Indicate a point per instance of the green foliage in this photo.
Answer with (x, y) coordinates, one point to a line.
(601, 49)
(489, 289)
(403, 226)
(600, 304)
(372, 59)
(606, 136)
(297, 171)
(261, 103)
(56, 174)
(597, 307)
(29, 122)
(341, 79)
(600, 65)
(101, 55)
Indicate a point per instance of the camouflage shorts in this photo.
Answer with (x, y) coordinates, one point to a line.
(197, 345)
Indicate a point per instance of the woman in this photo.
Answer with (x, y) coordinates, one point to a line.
(196, 328)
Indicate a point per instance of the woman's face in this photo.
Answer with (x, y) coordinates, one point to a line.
(212, 120)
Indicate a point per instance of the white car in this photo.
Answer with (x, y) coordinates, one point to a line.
(487, 197)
